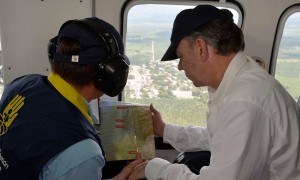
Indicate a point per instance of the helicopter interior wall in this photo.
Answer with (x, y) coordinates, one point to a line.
(40, 20)
(39, 24)
(27, 25)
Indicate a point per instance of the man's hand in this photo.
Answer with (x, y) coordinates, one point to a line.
(138, 172)
(127, 170)
(158, 123)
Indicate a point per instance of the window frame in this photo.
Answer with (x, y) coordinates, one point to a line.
(130, 4)
(278, 35)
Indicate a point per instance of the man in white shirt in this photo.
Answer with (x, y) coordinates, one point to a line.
(252, 122)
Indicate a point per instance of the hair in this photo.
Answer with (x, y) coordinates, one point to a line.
(76, 74)
(222, 34)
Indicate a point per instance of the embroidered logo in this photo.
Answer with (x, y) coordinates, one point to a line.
(75, 58)
(10, 113)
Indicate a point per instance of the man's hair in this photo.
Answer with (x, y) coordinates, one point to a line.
(223, 35)
(73, 73)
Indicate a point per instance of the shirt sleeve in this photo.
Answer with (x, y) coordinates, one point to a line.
(80, 161)
(186, 138)
(239, 147)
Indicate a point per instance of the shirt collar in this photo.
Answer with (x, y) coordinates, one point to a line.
(70, 94)
(216, 95)
(95, 119)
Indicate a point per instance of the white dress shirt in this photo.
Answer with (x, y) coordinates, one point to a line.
(252, 131)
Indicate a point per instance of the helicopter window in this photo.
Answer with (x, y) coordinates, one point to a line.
(288, 58)
(148, 29)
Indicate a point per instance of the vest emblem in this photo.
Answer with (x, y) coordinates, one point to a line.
(10, 113)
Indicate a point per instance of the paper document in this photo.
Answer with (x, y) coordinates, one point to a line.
(126, 129)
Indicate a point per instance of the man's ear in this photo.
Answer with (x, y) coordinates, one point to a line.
(203, 49)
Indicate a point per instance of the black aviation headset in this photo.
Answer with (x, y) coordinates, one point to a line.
(113, 70)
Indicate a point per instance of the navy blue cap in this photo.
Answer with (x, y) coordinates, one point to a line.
(187, 21)
(92, 49)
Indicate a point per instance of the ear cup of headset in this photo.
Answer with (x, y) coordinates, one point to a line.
(52, 48)
(112, 76)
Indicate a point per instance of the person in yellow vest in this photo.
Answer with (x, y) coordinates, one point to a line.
(46, 128)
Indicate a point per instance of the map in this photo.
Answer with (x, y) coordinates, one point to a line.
(125, 130)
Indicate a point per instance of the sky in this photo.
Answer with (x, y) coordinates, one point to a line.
(160, 13)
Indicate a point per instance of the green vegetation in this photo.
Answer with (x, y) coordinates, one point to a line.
(288, 74)
(288, 62)
(179, 111)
